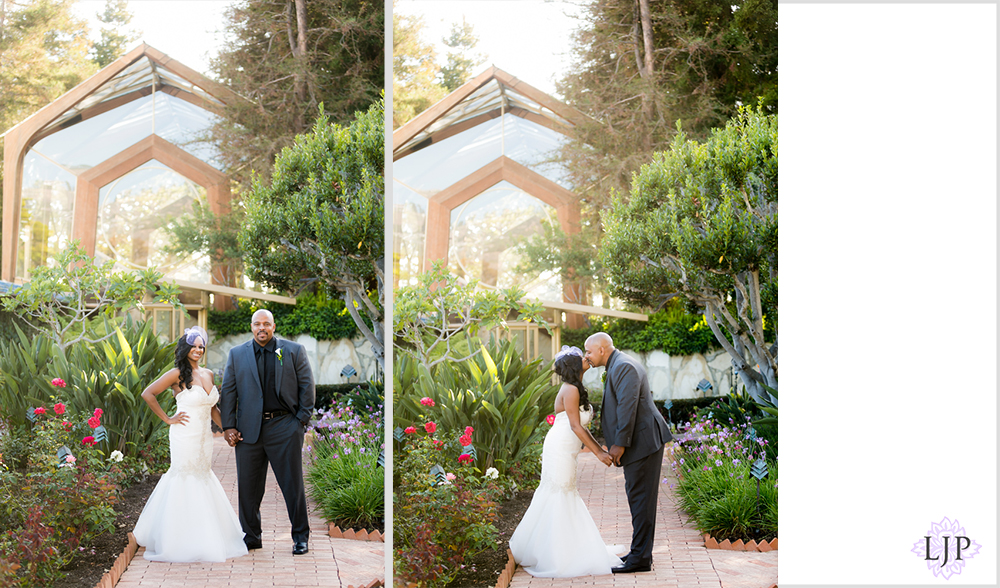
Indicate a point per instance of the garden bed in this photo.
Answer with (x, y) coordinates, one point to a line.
(90, 565)
(486, 567)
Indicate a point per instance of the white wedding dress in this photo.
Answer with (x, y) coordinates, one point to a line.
(188, 517)
(557, 537)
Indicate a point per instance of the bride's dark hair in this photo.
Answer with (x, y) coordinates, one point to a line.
(569, 367)
(181, 361)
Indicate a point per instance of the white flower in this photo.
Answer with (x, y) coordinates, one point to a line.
(492, 473)
(116, 456)
(278, 353)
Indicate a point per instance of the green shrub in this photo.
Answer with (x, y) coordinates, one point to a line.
(344, 477)
(503, 398)
(672, 330)
(317, 315)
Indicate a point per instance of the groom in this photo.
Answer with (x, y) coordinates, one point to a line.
(267, 400)
(635, 432)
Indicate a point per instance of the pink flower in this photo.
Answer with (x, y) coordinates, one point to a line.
(59, 383)
(550, 419)
(59, 408)
(40, 410)
(430, 427)
(465, 458)
(94, 422)
(468, 431)
(410, 430)
(450, 476)
(70, 459)
(98, 412)
(427, 401)
(88, 440)
(465, 440)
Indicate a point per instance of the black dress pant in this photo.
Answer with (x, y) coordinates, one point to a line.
(642, 485)
(280, 444)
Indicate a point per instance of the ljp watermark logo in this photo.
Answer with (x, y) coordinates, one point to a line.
(946, 548)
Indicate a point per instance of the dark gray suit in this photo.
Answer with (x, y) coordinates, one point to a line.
(629, 419)
(277, 441)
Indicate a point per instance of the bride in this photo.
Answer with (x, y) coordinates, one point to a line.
(557, 537)
(188, 517)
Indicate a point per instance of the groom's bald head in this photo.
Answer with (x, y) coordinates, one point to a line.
(599, 347)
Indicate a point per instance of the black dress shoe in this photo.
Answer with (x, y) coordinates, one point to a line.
(254, 545)
(300, 547)
(631, 568)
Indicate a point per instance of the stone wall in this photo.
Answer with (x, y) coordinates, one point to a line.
(677, 376)
(327, 358)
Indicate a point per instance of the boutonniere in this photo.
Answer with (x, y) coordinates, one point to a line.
(278, 354)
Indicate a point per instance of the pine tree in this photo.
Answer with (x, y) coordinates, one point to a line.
(462, 58)
(115, 34)
(414, 70)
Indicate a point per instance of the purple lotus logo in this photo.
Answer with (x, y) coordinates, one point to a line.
(946, 548)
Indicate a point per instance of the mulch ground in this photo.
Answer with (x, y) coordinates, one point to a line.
(485, 568)
(89, 565)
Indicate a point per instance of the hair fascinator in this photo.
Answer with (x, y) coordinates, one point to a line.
(567, 350)
(191, 334)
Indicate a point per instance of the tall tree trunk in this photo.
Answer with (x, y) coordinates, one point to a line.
(643, 32)
(297, 42)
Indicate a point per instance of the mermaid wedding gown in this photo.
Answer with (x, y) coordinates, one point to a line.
(188, 517)
(557, 537)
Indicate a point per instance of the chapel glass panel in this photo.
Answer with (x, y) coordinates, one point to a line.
(46, 222)
(409, 222)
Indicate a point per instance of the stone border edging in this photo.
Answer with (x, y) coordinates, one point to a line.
(362, 535)
(111, 577)
(763, 546)
(508, 572)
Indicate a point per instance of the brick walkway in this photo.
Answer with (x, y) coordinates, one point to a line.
(680, 559)
(330, 562)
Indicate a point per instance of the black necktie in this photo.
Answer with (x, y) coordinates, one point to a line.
(260, 365)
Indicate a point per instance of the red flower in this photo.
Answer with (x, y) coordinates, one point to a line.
(427, 401)
(469, 430)
(410, 430)
(59, 408)
(68, 426)
(465, 458)
(59, 383)
(430, 427)
(465, 440)
(94, 422)
(550, 419)
(98, 412)
(438, 444)
(40, 410)
(88, 440)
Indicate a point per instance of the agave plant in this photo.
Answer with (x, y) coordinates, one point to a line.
(503, 398)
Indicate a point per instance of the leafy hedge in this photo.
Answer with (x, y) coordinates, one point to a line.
(671, 330)
(317, 315)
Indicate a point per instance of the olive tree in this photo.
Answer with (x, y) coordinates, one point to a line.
(320, 218)
(701, 222)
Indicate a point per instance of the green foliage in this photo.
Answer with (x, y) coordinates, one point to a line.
(343, 475)
(321, 218)
(109, 375)
(215, 235)
(574, 257)
(414, 70)
(323, 318)
(462, 56)
(502, 397)
(701, 223)
(337, 59)
(61, 300)
(438, 523)
(115, 37)
(712, 463)
(439, 319)
(672, 331)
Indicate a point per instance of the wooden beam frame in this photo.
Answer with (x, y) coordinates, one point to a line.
(20, 138)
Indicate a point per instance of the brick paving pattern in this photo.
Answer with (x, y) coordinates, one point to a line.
(680, 559)
(330, 562)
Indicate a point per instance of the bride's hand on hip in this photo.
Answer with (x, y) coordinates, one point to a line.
(180, 418)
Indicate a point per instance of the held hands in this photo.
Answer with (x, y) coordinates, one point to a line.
(616, 453)
(180, 418)
(605, 458)
(232, 437)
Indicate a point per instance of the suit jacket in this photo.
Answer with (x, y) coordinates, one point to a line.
(242, 402)
(629, 418)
